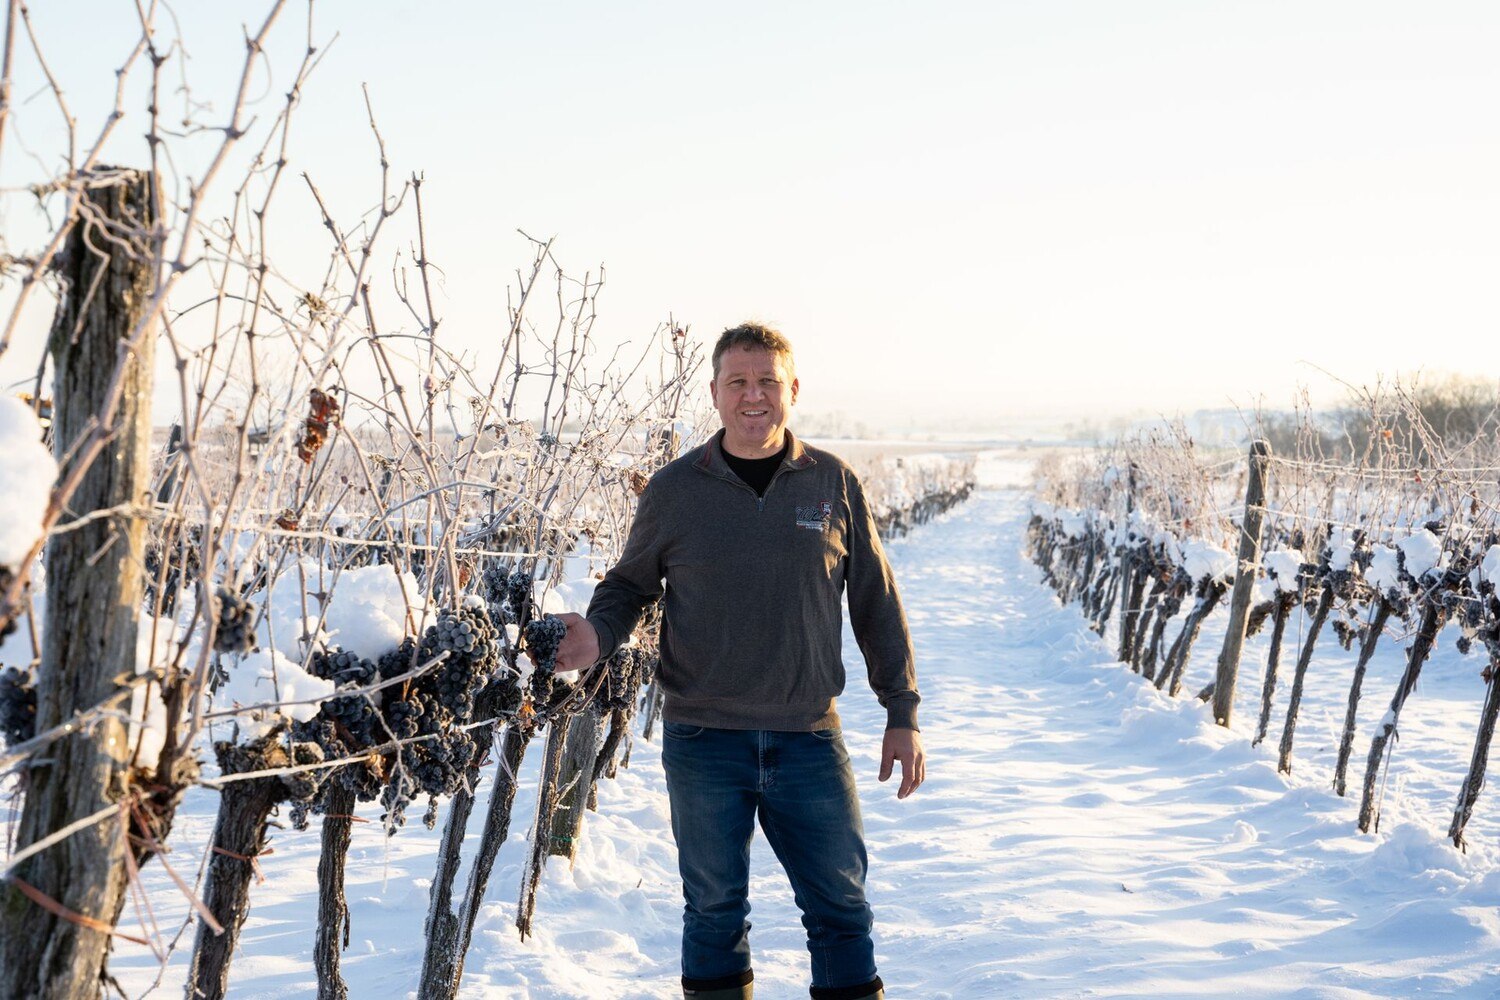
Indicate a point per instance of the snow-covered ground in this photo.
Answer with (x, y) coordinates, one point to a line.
(1079, 835)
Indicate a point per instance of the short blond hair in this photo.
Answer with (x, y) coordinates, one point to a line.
(755, 336)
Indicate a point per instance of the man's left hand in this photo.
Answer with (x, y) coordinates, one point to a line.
(904, 745)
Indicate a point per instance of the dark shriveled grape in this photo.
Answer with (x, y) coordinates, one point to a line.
(626, 669)
(518, 598)
(543, 636)
(399, 660)
(236, 627)
(473, 647)
(17, 705)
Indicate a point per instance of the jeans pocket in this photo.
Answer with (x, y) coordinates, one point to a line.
(828, 735)
(678, 731)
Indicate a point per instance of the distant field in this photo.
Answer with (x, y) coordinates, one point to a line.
(1001, 464)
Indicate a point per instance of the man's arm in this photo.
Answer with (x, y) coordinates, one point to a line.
(880, 628)
(876, 616)
(621, 597)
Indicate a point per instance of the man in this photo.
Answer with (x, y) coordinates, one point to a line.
(757, 537)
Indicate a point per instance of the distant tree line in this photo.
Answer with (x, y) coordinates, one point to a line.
(1430, 421)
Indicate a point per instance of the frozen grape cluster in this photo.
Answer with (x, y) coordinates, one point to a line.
(473, 647)
(17, 705)
(432, 768)
(399, 660)
(626, 670)
(428, 712)
(543, 636)
(1348, 633)
(492, 584)
(404, 717)
(342, 666)
(518, 598)
(175, 563)
(357, 716)
(9, 625)
(236, 629)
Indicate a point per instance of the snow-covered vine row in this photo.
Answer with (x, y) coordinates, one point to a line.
(910, 490)
(1145, 537)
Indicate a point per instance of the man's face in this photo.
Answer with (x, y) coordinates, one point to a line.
(754, 394)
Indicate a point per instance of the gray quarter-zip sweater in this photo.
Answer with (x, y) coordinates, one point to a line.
(752, 626)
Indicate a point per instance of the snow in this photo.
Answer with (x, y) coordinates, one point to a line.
(1169, 545)
(1203, 560)
(1490, 567)
(1079, 834)
(155, 645)
(1384, 573)
(267, 676)
(1422, 550)
(27, 472)
(1282, 566)
(367, 611)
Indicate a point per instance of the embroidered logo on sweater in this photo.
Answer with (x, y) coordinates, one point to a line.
(815, 518)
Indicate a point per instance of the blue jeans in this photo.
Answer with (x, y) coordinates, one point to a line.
(802, 788)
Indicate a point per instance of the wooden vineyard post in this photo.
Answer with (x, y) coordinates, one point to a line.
(441, 951)
(102, 353)
(1134, 583)
(513, 746)
(1244, 583)
(546, 806)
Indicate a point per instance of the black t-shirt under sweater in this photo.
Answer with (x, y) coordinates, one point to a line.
(757, 472)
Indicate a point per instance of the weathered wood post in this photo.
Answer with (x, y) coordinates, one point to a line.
(102, 352)
(1133, 583)
(1244, 583)
(496, 831)
(440, 957)
(546, 806)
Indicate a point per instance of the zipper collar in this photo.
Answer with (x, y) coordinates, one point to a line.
(711, 458)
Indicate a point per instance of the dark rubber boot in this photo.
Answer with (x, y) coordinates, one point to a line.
(873, 990)
(740, 987)
(745, 992)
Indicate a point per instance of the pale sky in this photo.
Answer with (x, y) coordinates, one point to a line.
(980, 210)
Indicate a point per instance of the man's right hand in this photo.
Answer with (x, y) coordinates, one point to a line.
(579, 649)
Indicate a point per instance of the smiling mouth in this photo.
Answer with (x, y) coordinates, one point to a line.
(753, 413)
